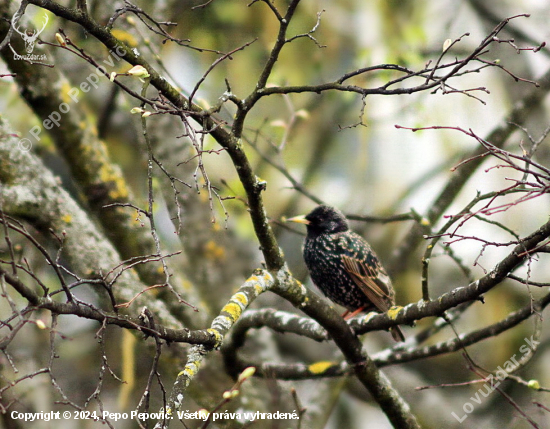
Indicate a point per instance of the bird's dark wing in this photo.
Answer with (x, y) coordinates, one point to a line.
(372, 280)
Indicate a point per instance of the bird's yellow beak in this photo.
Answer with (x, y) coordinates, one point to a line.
(299, 219)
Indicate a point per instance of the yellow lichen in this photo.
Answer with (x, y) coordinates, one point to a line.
(369, 316)
(320, 367)
(234, 310)
(118, 190)
(190, 371)
(216, 334)
(394, 311)
(65, 88)
(214, 252)
(258, 288)
(125, 37)
(241, 297)
(67, 218)
(252, 279)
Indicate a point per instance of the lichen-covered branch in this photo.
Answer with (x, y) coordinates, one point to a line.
(55, 102)
(229, 314)
(30, 191)
(381, 389)
(408, 352)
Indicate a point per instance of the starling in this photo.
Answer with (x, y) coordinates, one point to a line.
(343, 266)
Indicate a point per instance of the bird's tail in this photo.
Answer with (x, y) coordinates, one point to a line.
(397, 334)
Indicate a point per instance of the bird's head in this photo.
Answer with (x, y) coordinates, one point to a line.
(323, 220)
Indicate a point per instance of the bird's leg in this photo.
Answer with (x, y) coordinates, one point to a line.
(348, 315)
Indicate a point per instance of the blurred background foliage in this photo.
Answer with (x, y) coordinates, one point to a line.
(374, 169)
